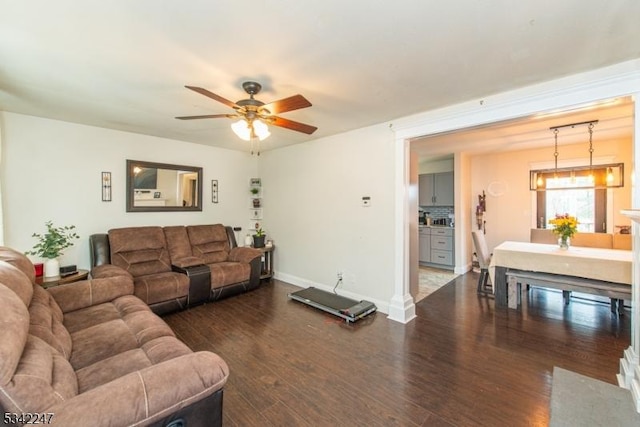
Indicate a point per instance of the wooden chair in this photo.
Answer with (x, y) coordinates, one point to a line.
(484, 258)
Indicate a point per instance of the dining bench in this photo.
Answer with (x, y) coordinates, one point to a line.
(617, 292)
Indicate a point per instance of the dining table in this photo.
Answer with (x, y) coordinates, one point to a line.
(596, 265)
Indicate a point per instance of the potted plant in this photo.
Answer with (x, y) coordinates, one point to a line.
(255, 191)
(51, 244)
(258, 238)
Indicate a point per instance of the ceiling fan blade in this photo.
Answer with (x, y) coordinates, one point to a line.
(290, 124)
(291, 103)
(212, 95)
(206, 116)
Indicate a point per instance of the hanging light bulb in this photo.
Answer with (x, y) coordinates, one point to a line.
(610, 176)
(247, 130)
(591, 178)
(540, 181)
(261, 130)
(555, 156)
(242, 129)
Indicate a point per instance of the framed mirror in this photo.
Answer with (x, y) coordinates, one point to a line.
(161, 187)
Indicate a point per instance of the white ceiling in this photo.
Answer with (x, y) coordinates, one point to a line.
(614, 122)
(123, 64)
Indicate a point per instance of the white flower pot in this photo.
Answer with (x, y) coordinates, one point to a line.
(51, 267)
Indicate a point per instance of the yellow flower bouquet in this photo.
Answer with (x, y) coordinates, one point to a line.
(564, 226)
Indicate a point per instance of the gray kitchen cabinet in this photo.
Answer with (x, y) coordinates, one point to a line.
(435, 189)
(436, 248)
(424, 245)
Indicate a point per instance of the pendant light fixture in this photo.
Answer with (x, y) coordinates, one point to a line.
(602, 176)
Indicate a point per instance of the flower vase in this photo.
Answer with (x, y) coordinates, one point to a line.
(51, 267)
(564, 242)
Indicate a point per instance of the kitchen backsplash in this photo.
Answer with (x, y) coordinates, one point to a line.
(437, 211)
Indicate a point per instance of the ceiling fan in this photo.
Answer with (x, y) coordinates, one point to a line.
(255, 115)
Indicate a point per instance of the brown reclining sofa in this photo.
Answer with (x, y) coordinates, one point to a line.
(90, 353)
(177, 266)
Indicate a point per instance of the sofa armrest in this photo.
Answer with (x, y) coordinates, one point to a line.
(148, 395)
(85, 293)
(244, 254)
(109, 270)
(188, 261)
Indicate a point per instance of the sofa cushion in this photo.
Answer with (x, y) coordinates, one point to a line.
(123, 325)
(14, 328)
(151, 353)
(45, 318)
(87, 317)
(14, 279)
(42, 378)
(155, 288)
(227, 273)
(20, 261)
(86, 293)
(178, 243)
(139, 250)
(209, 242)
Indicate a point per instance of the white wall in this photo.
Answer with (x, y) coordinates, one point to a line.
(51, 171)
(435, 166)
(313, 211)
(511, 215)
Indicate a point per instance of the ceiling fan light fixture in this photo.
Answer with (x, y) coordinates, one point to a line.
(261, 130)
(242, 129)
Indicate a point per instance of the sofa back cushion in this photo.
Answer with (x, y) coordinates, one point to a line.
(139, 250)
(45, 322)
(42, 378)
(18, 260)
(209, 242)
(14, 279)
(33, 375)
(14, 321)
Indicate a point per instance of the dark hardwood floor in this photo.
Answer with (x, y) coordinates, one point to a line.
(460, 363)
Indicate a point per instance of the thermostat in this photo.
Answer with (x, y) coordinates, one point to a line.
(366, 201)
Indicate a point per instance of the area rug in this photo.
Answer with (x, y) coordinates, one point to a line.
(432, 279)
(577, 400)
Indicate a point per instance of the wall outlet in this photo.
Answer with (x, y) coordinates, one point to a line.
(339, 275)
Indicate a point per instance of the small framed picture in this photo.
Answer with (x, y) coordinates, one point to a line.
(256, 213)
(156, 195)
(106, 186)
(214, 191)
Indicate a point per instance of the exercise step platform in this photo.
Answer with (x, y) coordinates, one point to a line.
(346, 308)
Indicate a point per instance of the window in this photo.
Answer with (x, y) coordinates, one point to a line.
(586, 204)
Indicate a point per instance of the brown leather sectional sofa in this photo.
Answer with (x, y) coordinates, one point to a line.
(177, 266)
(91, 353)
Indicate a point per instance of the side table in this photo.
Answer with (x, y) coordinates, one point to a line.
(267, 262)
(48, 282)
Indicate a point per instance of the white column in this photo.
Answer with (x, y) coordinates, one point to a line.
(401, 306)
(629, 376)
